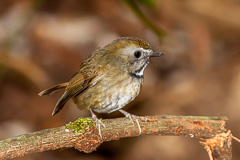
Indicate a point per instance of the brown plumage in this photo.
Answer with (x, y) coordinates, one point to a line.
(109, 79)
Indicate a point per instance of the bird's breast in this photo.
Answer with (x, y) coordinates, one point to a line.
(111, 93)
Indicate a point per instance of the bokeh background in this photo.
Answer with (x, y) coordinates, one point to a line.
(42, 43)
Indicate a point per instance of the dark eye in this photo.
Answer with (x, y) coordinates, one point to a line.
(137, 54)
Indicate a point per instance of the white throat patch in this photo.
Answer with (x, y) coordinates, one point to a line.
(140, 72)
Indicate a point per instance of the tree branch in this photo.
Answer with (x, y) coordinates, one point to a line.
(204, 128)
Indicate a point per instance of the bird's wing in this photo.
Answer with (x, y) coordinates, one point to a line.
(77, 85)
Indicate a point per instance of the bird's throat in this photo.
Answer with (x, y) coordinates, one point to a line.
(139, 73)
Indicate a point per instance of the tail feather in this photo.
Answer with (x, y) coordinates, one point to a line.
(54, 89)
(61, 102)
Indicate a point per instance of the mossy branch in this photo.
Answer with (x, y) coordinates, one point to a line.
(210, 130)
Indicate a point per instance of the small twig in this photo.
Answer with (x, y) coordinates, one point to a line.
(134, 7)
(236, 139)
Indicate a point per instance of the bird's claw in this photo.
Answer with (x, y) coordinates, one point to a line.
(132, 117)
(98, 126)
(98, 123)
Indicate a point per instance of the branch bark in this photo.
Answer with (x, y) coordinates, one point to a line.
(204, 128)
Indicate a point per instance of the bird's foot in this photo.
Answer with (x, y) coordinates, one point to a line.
(98, 123)
(132, 117)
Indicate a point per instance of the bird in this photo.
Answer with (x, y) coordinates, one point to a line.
(108, 80)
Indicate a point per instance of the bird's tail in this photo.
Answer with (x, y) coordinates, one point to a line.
(54, 89)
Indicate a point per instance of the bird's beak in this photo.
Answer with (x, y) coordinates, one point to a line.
(156, 54)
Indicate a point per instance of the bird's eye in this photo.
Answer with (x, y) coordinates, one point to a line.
(137, 54)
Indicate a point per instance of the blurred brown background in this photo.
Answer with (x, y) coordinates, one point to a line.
(42, 43)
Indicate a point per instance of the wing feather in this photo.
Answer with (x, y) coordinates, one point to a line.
(77, 85)
(54, 89)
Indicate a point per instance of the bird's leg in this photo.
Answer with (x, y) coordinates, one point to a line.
(132, 117)
(98, 123)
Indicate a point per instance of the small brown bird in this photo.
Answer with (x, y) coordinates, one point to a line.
(108, 80)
